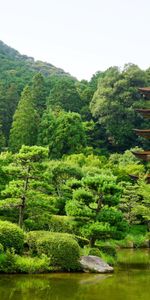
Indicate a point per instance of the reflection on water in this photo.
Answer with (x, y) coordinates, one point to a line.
(127, 283)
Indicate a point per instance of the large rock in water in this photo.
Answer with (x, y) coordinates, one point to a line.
(95, 264)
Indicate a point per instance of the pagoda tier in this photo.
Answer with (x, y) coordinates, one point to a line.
(145, 92)
(135, 177)
(143, 132)
(144, 112)
(143, 155)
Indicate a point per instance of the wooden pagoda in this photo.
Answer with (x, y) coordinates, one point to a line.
(143, 155)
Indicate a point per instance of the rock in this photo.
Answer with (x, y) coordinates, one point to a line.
(95, 264)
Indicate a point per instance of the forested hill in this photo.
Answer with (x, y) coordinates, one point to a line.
(14, 66)
(42, 105)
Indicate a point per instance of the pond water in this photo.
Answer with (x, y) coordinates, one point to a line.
(131, 281)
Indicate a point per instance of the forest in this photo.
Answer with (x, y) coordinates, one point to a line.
(65, 164)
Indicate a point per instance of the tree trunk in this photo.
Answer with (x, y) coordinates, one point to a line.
(99, 204)
(92, 241)
(23, 199)
(21, 212)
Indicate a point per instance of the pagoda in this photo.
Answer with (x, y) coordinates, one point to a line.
(143, 155)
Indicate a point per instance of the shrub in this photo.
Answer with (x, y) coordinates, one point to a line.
(81, 240)
(7, 262)
(95, 252)
(1, 248)
(107, 249)
(32, 237)
(11, 236)
(62, 250)
(30, 265)
(60, 224)
(109, 259)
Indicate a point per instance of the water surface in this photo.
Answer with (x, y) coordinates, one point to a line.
(129, 282)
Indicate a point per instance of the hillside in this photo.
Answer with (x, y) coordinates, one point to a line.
(17, 68)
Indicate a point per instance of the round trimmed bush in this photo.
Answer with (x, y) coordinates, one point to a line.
(32, 237)
(62, 249)
(11, 236)
(95, 252)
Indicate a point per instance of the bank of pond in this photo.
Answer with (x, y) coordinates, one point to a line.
(129, 281)
(46, 252)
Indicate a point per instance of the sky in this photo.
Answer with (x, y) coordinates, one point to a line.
(79, 36)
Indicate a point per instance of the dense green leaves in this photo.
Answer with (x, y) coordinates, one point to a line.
(24, 127)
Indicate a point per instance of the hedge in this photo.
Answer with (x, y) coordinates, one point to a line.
(11, 236)
(62, 248)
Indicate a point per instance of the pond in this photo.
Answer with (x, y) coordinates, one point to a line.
(131, 281)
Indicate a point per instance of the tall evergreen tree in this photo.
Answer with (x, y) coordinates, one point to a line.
(24, 127)
(11, 101)
(39, 92)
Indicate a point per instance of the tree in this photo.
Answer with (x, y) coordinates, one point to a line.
(142, 207)
(113, 105)
(95, 195)
(39, 93)
(63, 132)
(64, 94)
(27, 191)
(11, 101)
(24, 126)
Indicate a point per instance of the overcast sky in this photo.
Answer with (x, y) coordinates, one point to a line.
(80, 36)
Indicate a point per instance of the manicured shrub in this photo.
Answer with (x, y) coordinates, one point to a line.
(32, 237)
(62, 250)
(11, 236)
(95, 252)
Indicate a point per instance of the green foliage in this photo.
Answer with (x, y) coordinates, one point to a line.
(24, 127)
(95, 252)
(7, 262)
(107, 249)
(27, 185)
(11, 236)
(64, 94)
(32, 265)
(60, 224)
(32, 237)
(113, 104)
(62, 250)
(63, 132)
(1, 248)
(116, 220)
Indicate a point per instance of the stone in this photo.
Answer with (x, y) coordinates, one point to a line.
(94, 264)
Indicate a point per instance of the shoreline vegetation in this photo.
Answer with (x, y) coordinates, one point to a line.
(46, 252)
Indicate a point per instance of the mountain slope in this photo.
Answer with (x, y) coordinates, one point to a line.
(17, 68)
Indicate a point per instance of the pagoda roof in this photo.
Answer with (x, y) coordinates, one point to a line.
(146, 92)
(143, 132)
(144, 112)
(144, 155)
(144, 89)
